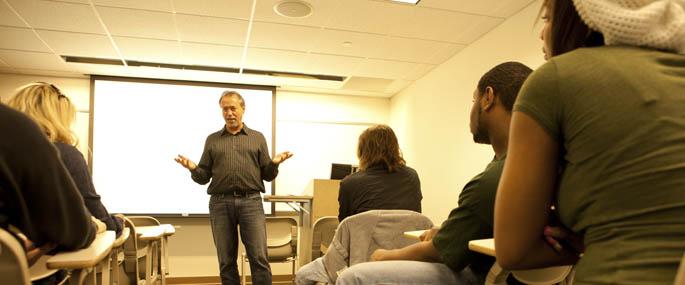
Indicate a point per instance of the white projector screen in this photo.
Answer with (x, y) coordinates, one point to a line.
(139, 126)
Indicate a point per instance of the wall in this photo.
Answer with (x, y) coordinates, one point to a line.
(432, 114)
(318, 128)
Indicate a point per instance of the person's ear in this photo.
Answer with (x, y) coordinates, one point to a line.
(488, 100)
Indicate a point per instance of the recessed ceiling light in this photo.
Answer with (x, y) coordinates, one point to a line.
(293, 9)
(347, 44)
(407, 1)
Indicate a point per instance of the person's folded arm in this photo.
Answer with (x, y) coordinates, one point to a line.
(420, 251)
(524, 196)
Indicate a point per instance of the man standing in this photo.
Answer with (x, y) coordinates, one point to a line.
(236, 159)
(443, 257)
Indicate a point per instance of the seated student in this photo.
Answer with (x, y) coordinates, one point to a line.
(443, 257)
(385, 182)
(37, 194)
(54, 113)
(608, 106)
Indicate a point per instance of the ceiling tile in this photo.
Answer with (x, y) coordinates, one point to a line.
(419, 71)
(369, 16)
(128, 22)
(152, 5)
(384, 68)
(405, 49)
(495, 8)
(397, 86)
(361, 44)
(236, 9)
(149, 50)
(21, 39)
(276, 60)
(32, 60)
(442, 25)
(77, 44)
(8, 17)
(321, 11)
(445, 53)
(282, 36)
(211, 55)
(70, 17)
(211, 30)
(332, 64)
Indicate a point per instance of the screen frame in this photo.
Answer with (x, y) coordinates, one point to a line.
(93, 78)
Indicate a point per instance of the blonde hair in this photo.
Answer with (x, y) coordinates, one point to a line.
(378, 146)
(47, 106)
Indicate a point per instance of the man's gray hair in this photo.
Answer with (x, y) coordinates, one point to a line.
(231, 93)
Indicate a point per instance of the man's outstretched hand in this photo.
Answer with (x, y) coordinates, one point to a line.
(185, 162)
(281, 157)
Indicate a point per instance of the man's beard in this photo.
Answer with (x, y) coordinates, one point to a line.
(482, 135)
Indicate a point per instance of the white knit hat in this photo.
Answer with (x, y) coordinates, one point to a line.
(658, 24)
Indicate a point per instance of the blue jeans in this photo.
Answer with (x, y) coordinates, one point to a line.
(406, 272)
(226, 212)
(312, 273)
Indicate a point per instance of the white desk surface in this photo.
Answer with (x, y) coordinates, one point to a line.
(414, 234)
(151, 232)
(86, 257)
(125, 233)
(169, 229)
(485, 246)
(286, 198)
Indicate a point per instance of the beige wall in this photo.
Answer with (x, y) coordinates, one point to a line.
(432, 115)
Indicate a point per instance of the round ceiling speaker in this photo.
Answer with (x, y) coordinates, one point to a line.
(293, 9)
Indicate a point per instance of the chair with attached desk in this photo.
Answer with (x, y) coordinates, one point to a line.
(83, 264)
(144, 250)
(14, 268)
(497, 275)
(281, 243)
(118, 255)
(322, 235)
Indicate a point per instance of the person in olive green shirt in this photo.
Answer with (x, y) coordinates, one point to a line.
(443, 257)
(613, 116)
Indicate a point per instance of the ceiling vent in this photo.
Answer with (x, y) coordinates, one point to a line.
(293, 9)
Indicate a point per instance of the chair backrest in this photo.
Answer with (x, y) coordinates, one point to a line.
(141, 221)
(281, 241)
(680, 276)
(322, 233)
(14, 268)
(359, 235)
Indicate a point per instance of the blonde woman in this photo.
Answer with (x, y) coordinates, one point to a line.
(385, 182)
(54, 113)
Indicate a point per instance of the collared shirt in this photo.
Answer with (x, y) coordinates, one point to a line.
(235, 162)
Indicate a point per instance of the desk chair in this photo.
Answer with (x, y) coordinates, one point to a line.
(83, 264)
(322, 235)
(498, 276)
(281, 243)
(118, 255)
(14, 268)
(143, 251)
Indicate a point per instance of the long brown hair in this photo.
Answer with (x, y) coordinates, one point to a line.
(378, 146)
(568, 30)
